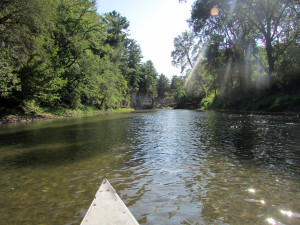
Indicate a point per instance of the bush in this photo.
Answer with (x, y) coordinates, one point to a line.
(31, 108)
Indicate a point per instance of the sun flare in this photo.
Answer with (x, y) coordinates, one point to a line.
(214, 11)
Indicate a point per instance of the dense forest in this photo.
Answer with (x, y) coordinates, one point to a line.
(239, 54)
(61, 53)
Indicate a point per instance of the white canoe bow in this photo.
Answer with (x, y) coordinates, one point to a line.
(108, 208)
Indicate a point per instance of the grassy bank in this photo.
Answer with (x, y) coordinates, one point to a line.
(30, 111)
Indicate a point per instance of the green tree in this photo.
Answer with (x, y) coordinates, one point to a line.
(148, 82)
(24, 28)
(276, 22)
(238, 36)
(8, 79)
(78, 34)
(130, 64)
(186, 51)
(177, 96)
(163, 86)
(116, 26)
(62, 53)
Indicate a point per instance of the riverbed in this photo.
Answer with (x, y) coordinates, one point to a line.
(169, 167)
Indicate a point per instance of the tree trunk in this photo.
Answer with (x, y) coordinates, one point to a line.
(269, 50)
(241, 73)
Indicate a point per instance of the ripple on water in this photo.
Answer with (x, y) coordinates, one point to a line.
(171, 166)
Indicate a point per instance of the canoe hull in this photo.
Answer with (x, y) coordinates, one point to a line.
(108, 208)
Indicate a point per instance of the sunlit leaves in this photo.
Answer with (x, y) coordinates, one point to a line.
(116, 26)
(62, 53)
(248, 44)
(8, 79)
(186, 50)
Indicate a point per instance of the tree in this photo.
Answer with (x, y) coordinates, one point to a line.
(275, 21)
(62, 53)
(247, 46)
(214, 65)
(186, 51)
(148, 82)
(243, 21)
(238, 36)
(116, 26)
(177, 96)
(163, 86)
(23, 26)
(76, 33)
(130, 63)
(8, 79)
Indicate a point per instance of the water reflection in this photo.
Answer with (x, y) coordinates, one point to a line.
(172, 166)
(211, 162)
(52, 146)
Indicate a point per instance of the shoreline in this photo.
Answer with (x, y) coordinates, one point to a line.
(21, 119)
(14, 119)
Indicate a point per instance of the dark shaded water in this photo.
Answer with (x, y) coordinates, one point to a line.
(169, 167)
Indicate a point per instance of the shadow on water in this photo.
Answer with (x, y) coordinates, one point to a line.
(259, 140)
(244, 141)
(50, 146)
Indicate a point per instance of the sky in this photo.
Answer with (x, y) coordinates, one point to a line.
(153, 24)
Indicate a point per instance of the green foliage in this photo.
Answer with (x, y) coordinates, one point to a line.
(115, 24)
(62, 54)
(207, 102)
(163, 86)
(8, 79)
(130, 64)
(67, 111)
(186, 50)
(39, 82)
(148, 80)
(177, 95)
(250, 52)
(32, 108)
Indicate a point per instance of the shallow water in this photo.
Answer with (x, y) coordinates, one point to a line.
(169, 167)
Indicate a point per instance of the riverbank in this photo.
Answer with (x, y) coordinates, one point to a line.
(31, 114)
(265, 102)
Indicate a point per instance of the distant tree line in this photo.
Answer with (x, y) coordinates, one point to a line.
(61, 53)
(240, 54)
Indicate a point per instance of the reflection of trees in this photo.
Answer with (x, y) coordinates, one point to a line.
(231, 134)
(244, 139)
(64, 143)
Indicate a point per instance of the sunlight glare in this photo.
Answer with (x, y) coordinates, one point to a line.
(192, 73)
(251, 190)
(214, 11)
(255, 201)
(274, 222)
(228, 71)
(286, 213)
(271, 221)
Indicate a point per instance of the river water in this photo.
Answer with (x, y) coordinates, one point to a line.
(169, 167)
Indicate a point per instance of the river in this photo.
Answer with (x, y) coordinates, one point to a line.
(169, 167)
